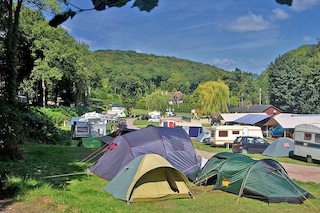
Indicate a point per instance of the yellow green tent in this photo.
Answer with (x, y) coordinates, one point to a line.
(149, 178)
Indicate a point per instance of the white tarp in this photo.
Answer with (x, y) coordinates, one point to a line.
(290, 121)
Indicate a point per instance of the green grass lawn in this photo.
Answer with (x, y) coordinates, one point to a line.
(54, 179)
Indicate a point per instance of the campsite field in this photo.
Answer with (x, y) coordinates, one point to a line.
(53, 179)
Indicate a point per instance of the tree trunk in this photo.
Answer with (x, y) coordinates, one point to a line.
(11, 44)
(10, 146)
(43, 92)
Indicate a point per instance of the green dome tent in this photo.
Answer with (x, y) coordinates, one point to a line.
(265, 179)
(149, 178)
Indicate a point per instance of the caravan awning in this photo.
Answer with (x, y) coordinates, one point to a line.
(290, 121)
(252, 118)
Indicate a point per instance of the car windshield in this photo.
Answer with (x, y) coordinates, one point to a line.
(260, 140)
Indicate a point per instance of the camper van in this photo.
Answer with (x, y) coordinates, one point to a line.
(225, 135)
(307, 141)
(86, 130)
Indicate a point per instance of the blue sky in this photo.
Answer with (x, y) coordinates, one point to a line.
(229, 34)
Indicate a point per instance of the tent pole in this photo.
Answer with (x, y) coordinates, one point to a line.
(298, 191)
(244, 183)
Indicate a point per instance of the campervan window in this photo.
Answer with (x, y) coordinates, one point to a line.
(235, 132)
(82, 129)
(307, 136)
(223, 133)
(317, 138)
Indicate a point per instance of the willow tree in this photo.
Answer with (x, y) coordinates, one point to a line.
(158, 100)
(213, 97)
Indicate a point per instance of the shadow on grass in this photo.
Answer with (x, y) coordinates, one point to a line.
(43, 165)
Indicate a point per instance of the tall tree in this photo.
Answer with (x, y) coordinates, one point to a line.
(158, 100)
(129, 90)
(214, 97)
(285, 80)
(11, 31)
(177, 82)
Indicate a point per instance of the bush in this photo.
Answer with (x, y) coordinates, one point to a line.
(24, 124)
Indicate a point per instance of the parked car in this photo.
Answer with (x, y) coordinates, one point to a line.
(98, 103)
(113, 104)
(122, 124)
(276, 131)
(154, 119)
(143, 117)
(249, 144)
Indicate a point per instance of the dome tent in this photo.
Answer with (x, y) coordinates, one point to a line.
(173, 144)
(281, 147)
(265, 179)
(149, 178)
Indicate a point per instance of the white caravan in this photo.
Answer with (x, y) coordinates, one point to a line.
(307, 141)
(225, 135)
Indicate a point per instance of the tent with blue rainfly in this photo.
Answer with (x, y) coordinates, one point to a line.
(265, 179)
(149, 178)
(281, 147)
(173, 144)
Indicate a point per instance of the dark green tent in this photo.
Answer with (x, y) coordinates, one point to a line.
(92, 142)
(265, 179)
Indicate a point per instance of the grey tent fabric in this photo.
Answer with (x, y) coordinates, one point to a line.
(281, 147)
(106, 139)
(173, 144)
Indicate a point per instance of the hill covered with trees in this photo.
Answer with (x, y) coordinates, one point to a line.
(294, 80)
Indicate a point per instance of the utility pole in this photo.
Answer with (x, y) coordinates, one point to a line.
(260, 95)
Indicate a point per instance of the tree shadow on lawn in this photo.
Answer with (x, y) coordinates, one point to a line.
(43, 164)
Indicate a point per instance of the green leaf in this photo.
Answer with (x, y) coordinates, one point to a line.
(288, 2)
(146, 5)
(101, 4)
(60, 18)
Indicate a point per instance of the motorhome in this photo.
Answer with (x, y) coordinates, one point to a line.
(90, 124)
(118, 111)
(225, 135)
(307, 141)
(82, 129)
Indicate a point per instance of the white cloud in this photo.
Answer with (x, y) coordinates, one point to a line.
(279, 14)
(307, 38)
(223, 62)
(138, 51)
(257, 63)
(250, 23)
(301, 5)
(68, 29)
(86, 41)
(194, 26)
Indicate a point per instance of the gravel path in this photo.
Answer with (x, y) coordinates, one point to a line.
(296, 172)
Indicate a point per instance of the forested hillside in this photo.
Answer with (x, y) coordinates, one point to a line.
(294, 80)
(167, 73)
(172, 74)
